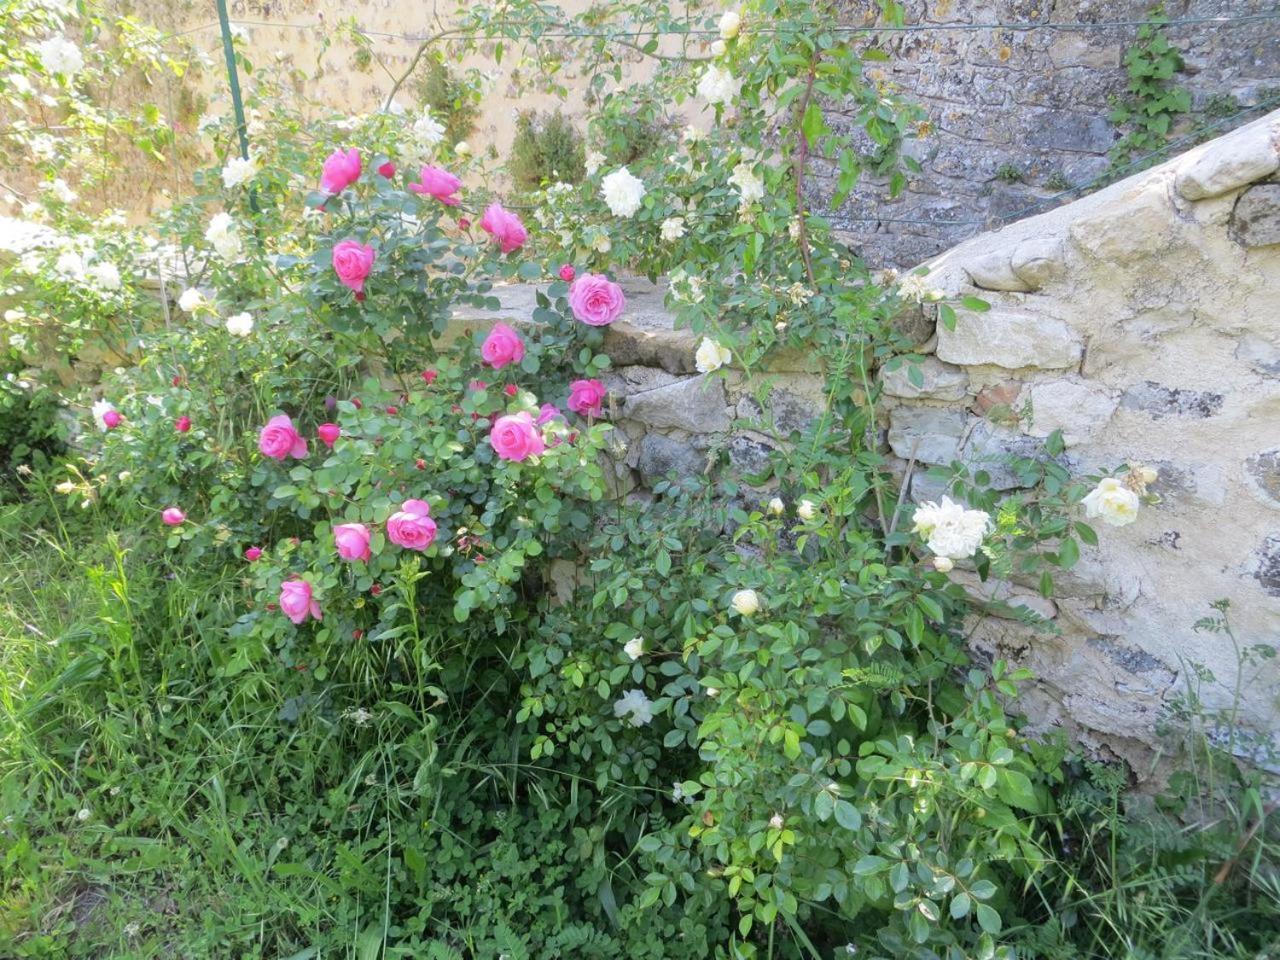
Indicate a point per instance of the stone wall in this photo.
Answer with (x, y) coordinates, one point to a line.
(1144, 323)
(1018, 117)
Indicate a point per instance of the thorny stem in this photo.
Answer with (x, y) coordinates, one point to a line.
(802, 154)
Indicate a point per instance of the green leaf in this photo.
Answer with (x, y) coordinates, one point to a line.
(1087, 534)
(1068, 553)
(988, 919)
(847, 815)
(960, 905)
(976, 304)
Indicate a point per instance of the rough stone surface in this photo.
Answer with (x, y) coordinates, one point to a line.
(661, 455)
(994, 271)
(939, 381)
(1255, 221)
(1228, 163)
(1025, 104)
(696, 404)
(1010, 338)
(929, 434)
(1038, 262)
(1160, 401)
(1080, 410)
(1175, 346)
(1263, 472)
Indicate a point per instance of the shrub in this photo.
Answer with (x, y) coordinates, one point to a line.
(546, 149)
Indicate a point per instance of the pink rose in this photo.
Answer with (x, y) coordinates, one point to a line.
(548, 412)
(567, 273)
(278, 439)
(429, 377)
(182, 424)
(441, 184)
(253, 553)
(387, 170)
(340, 171)
(505, 227)
(296, 601)
(596, 300)
(352, 262)
(502, 346)
(173, 516)
(328, 433)
(112, 419)
(411, 527)
(516, 437)
(352, 540)
(585, 397)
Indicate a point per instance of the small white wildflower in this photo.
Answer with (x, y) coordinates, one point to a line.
(359, 716)
(623, 192)
(713, 692)
(124, 476)
(84, 814)
(635, 703)
(711, 356)
(672, 229)
(238, 171)
(634, 648)
(239, 325)
(595, 160)
(678, 794)
(745, 602)
(132, 929)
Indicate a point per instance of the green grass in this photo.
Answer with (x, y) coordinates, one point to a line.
(224, 818)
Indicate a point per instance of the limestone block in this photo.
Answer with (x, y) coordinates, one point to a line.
(940, 381)
(1080, 410)
(1255, 221)
(1263, 473)
(933, 434)
(1012, 339)
(660, 456)
(1229, 163)
(696, 404)
(1039, 261)
(1139, 224)
(994, 271)
(1160, 401)
(992, 448)
(1262, 355)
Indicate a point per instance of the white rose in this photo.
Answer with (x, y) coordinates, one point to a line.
(718, 48)
(191, 300)
(61, 191)
(100, 410)
(240, 325)
(730, 24)
(672, 228)
(635, 703)
(943, 564)
(427, 130)
(776, 821)
(717, 85)
(69, 265)
(950, 530)
(745, 602)
(750, 186)
(105, 276)
(238, 170)
(224, 238)
(59, 55)
(1113, 502)
(622, 192)
(462, 148)
(711, 356)
(634, 647)
(595, 160)
(601, 243)
(806, 510)
(776, 506)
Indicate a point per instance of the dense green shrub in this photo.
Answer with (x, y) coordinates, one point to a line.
(547, 148)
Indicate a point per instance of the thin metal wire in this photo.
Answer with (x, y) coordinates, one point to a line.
(1024, 26)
